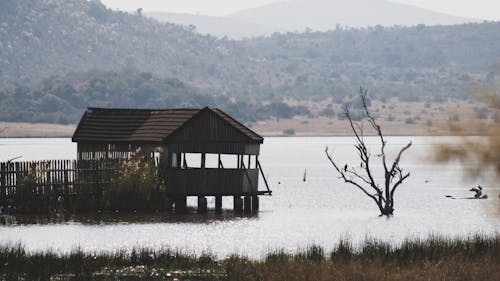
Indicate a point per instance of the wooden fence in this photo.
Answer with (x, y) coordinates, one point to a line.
(89, 185)
(40, 186)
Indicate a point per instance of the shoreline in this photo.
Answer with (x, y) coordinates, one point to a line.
(43, 130)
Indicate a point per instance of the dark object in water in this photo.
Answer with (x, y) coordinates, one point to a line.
(478, 192)
(482, 197)
(305, 174)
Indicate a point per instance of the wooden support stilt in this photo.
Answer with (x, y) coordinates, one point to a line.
(255, 203)
(202, 204)
(248, 204)
(180, 204)
(218, 204)
(238, 204)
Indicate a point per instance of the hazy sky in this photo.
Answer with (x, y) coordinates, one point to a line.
(480, 9)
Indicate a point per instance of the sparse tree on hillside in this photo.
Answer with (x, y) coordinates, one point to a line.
(362, 177)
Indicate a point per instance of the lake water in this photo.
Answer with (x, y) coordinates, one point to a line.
(321, 210)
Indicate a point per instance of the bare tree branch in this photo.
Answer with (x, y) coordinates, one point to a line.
(13, 159)
(355, 174)
(383, 198)
(342, 175)
(398, 158)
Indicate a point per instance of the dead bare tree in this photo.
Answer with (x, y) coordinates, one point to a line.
(364, 179)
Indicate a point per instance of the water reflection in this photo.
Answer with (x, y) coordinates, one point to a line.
(190, 216)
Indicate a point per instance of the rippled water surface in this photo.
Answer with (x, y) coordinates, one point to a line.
(320, 210)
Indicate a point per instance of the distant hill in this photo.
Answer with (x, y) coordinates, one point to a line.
(215, 26)
(53, 37)
(64, 99)
(45, 42)
(323, 15)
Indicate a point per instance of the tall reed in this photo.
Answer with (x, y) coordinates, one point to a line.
(434, 258)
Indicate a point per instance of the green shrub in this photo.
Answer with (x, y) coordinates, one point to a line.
(26, 190)
(136, 184)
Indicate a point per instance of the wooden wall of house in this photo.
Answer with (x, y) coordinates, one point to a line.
(213, 133)
(216, 148)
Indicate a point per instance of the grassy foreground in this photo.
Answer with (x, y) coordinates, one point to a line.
(434, 258)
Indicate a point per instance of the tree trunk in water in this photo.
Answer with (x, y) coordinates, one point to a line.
(387, 210)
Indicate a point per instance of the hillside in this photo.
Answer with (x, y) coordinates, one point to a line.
(72, 42)
(324, 15)
(215, 26)
(63, 99)
(55, 37)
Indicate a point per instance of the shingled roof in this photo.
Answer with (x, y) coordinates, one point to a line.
(112, 125)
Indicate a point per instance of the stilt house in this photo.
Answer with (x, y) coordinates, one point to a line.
(204, 152)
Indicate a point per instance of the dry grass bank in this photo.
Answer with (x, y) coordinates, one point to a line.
(396, 118)
(475, 258)
(28, 130)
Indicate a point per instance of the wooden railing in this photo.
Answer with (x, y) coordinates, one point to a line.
(39, 186)
(42, 186)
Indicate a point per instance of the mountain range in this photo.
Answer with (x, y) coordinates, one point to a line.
(314, 15)
(60, 56)
(216, 26)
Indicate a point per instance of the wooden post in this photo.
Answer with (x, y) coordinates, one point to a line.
(218, 204)
(238, 204)
(255, 203)
(3, 187)
(180, 204)
(48, 186)
(202, 204)
(17, 177)
(178, 160)
(203, 160)
(67, 202)
(248, 204)
(221, 166)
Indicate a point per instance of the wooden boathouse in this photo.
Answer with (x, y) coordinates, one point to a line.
(202, 152)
